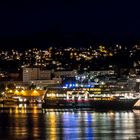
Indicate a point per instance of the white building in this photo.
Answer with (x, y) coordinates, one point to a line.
(35, 74)
(43, 83)
(63, 74)
(43, 77)
(102, 72)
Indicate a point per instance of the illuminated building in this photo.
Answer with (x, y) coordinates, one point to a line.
(35, 74)
(63, 74)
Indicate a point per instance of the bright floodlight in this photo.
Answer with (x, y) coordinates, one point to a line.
(137, 80)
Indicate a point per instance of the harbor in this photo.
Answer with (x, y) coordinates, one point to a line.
(16, 123)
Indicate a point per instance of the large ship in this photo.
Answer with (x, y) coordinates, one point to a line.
(95, 98)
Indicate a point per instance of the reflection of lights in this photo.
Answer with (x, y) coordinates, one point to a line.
(85, 113)
(16, 109)
(10, 110)
(22, 109)
(79, 113)
(130, 114)
(34, 109)
(52, 123)
(20, 105)
(25, 105)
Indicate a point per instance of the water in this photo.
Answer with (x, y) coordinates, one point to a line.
(29, 122)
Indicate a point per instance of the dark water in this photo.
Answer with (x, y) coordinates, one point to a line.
(30, 123)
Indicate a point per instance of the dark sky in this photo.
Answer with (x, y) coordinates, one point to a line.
(103, 18)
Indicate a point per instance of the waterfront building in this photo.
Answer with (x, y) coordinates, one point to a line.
(30, 74)
(102, 72)
(64, 74)
(44, 83)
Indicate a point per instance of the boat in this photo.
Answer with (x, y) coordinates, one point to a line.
(89, 98)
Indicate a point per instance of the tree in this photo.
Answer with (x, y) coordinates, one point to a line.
(11, 86)
(32, 86)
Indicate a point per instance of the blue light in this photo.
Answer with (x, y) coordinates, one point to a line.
(74, 85)
(66, 85)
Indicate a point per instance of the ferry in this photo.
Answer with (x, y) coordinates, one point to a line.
(89, 98)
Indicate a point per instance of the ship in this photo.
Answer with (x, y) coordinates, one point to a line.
(94, 98)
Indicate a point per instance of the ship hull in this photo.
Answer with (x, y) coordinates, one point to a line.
(121, 104)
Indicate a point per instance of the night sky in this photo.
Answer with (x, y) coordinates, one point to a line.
(102, 20)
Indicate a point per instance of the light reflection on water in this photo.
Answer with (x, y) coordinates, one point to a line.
(29, 122)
